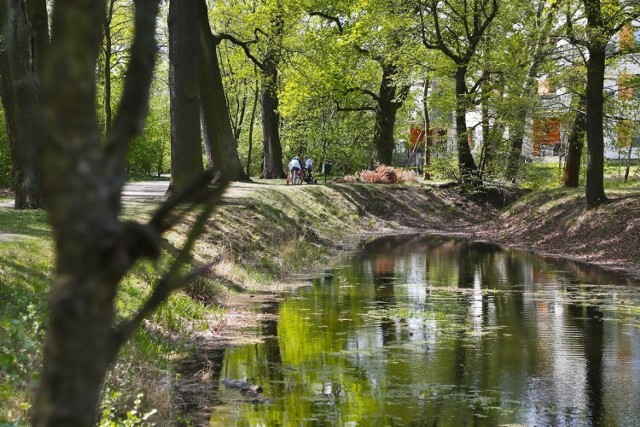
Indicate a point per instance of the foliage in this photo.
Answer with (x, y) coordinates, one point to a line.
(132, 418)
(149, 153)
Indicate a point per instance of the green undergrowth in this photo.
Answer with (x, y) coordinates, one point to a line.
(255, 238)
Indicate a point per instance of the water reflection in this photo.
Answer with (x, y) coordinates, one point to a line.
(441, 332)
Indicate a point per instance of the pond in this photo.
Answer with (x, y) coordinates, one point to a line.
(433, 331)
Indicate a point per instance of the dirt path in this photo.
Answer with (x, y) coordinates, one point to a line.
(154, 191)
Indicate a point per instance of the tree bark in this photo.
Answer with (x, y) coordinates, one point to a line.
(427, 129)
(186, 148)
(571, 177)
(19, 89)
(39, 17)
(94, 250)
(251, 124)
(466, 163)
(272, 167)
(220, 144)
(387, 104)
(594, 191)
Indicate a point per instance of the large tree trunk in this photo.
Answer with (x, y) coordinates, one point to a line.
(466, 163)
(386, 109)
(93, 249)
(19, 93)
(571, 177)
(186, 149)
(219, 142)
(78, 343)
(594, 191)
(272, 167)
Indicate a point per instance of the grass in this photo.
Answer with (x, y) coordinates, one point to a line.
(545, 176)
(25, 277)
(26, 274)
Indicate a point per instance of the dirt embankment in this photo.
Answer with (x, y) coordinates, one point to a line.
(256, 222)
(559, 223)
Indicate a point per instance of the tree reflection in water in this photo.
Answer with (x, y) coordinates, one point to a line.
(434, 331)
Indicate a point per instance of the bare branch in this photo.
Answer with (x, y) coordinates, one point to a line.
(165, 217)
(330, 18)
(362, 90)
(244, 45)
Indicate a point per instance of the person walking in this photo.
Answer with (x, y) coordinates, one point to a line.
(294, 168)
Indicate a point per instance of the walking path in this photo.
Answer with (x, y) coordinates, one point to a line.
(154, 191)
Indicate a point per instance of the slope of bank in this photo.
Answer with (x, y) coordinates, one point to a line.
(558, 223)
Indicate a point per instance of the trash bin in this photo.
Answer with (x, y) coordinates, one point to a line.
(326, 170)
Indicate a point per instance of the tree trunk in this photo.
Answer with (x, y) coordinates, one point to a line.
(186, 149)
(517, 141)
(575, 143)
(107, 67)
(487, 149)
(19, 93)
(78, 345)
(466, 164)
(528, 86)
(272, 167)
(93, 248)
(219, 141)
(594, 191)
(386, 109)
(39, 17)
(427, 129)
(251, 124)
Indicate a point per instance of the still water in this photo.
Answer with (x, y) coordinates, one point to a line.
(430, 331)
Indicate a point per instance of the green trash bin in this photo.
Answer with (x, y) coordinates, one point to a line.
(326, 170)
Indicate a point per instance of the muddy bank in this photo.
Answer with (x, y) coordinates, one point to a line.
(558, 223)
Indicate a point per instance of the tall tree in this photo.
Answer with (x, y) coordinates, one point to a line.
(376, 30)
(184, 77)
(269, 102)
(604, 19)
(83, 180)
(541, 27)
(261, 33)
(219, 140)
(456, 28)
(118, 31)
(23, 41)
